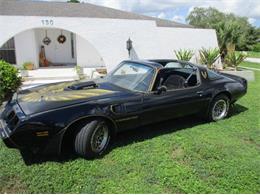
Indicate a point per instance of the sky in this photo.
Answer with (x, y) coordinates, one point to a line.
(178, 10)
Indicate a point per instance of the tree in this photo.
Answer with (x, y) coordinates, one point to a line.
(231, 29)
(228, 33)
(205, 17)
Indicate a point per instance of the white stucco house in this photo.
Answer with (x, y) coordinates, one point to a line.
(95, 36)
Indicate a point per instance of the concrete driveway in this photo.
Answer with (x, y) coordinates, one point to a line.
(255, 60)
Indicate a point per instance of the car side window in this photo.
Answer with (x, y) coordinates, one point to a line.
(213, 75)
(176, 78)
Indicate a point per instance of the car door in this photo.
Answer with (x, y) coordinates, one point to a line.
(173, 103)
(127, 111)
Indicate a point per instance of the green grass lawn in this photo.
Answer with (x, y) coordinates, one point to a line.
(250, 65)
(179, 156)
(252, 54)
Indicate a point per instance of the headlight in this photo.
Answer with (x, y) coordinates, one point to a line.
(2, 106)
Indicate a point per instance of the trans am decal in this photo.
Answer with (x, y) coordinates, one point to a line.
(204, 74)
(57, 93)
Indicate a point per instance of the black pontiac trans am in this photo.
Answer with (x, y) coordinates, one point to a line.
(84, 115)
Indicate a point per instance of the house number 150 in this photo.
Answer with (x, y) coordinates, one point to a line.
(47, 22)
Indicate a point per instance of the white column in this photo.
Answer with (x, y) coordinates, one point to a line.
(26, 48)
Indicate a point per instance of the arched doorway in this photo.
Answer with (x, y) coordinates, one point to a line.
(61, 48)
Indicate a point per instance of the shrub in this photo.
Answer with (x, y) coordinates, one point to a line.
(184, 55)
(233, 59)
(9, 80)
(256, 47)
(209, 56)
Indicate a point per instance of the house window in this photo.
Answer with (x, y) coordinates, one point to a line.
(7, 52)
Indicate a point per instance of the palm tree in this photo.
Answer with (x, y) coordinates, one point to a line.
(228, 33)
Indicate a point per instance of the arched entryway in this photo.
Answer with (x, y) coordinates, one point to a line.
(55, 46)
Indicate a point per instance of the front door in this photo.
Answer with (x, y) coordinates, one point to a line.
(61, 50)
(172, 104)
(127, 113)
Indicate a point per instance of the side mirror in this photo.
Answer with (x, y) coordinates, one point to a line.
(161, 89)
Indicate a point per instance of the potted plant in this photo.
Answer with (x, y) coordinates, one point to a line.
(102, 71)
(232, 61)
(28, 65)
(184, 55)
(209, 56)
(80, 72)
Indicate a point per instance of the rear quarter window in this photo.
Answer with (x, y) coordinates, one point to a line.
(213, 75)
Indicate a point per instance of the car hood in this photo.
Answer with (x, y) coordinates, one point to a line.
(48, 97)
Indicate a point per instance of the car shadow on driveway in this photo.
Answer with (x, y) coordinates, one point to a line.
(135, 135)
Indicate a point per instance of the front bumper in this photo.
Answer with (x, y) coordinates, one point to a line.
(23, 135)
(10, 117)
(5, 133)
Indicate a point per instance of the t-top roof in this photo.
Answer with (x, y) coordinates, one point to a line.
(63, 9)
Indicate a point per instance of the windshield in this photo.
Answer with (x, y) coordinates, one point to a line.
(132, 76)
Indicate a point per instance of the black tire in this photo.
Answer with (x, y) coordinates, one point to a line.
(220, 99)
(85, 139)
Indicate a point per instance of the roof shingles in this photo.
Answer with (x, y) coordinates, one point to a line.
(59, 9)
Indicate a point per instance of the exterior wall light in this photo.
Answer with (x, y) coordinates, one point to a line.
(129, 46)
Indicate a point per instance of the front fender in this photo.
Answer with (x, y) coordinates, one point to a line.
(60, 118)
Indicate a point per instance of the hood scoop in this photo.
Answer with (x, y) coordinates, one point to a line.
(81, 86)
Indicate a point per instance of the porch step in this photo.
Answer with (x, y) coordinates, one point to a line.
(55, 75)
(50, 78)
(44, 76)
(50, 73)
(37, 82)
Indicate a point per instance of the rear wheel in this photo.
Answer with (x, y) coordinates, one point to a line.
(219, 108)
(92, 139)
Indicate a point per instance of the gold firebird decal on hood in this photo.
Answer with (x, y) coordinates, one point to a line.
(57, 93)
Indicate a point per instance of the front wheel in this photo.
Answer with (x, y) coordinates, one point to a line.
(92, 140)
(219, 108)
